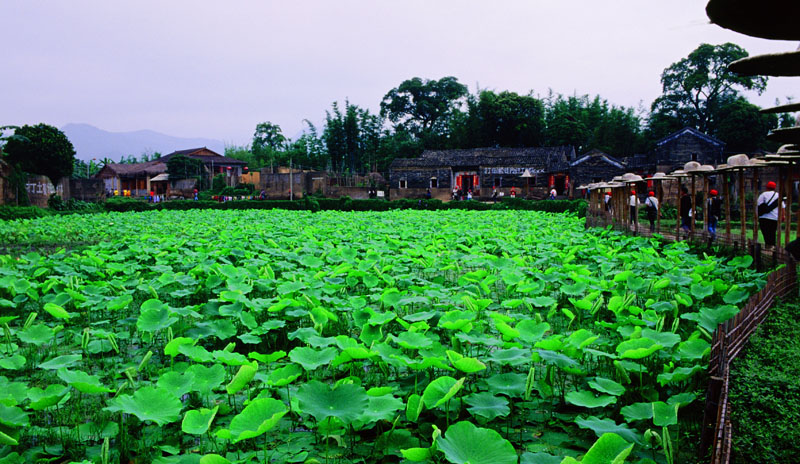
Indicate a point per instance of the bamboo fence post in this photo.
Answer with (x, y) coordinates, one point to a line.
(678, 222)
(742, 209)
(727, 190)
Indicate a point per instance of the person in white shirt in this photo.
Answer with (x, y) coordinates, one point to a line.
(767, 205)
(652, 209)
(607, 200)
(553, 192)
(634, 202)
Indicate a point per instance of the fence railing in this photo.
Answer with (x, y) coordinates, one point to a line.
(730, 337)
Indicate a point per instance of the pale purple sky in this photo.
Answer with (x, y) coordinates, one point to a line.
(216, 68)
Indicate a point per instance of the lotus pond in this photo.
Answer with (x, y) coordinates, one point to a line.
(281, 336)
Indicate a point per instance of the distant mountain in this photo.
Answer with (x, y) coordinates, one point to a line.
(91, 142)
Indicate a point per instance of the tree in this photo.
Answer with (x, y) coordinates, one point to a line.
(504, 119)
(698, 86)
(423, 107)
(41, 149)
(268, 141)
(183, 167)
(743, 127)
(351, 137)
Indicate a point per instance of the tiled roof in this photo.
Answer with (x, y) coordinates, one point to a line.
(690, 131)
(212, 158)
(548, 158)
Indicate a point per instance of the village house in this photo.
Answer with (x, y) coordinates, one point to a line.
(594, 166)
(139, 179)
(482, 170)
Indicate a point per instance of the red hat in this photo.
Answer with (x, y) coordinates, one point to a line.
(633, 192)
(771, 185)
(713, 193)
(651, 194)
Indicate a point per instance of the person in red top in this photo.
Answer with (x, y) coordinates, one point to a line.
(513, 193)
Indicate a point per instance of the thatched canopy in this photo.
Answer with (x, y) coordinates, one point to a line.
(768, 19)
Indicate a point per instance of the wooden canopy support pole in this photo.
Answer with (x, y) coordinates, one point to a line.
(779, 229)
(705, 205)
(788, 195)
(678, 222)
(694, 209)
(726, 188)
(660, 198)
(755, 205)
(742, 209)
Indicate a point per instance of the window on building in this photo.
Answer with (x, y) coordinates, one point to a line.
(694, 156)
(434, 183)
(403, 184)
(497, 182)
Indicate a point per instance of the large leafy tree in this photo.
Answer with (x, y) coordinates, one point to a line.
(504, 119)
(183, 167)
(422, 107)
(697, 87)
(41, 149)
(743, 127)
(268, 142)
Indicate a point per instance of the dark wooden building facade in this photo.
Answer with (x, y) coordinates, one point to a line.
(481, 170)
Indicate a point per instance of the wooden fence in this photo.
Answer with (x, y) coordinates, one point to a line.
(730, 336)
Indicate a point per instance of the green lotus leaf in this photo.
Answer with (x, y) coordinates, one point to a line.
(710, 318)
(694, 349)
(58, 362)
(382, 408)
(531, 331)
(38, 334)
(735, 295)
(465, 443)
(414, 407)
(637, 411)
(149, 404)
(13, 363)
(701, 290)
(57, 311)
(176, 383)
(172, 348)
(284, 375)
(13, 416)
(587, 399)
(511, 357)
(196, 353)
(457, 320)
(213, 459)
(581, 338)
(601, 426)
(440, 391)
(637, 348)
(468, 365)
(346, 402)
(256, 418)
(610, 448)
(154, 316)
(542, 301)
(230, 358)
(666, 339)
(310, 358)
(609, 386)
(509, 384)
(413, 340)
(682, 399)
(487, 405)
(575, 289)
(243, 376)
(416, 454)
(50, 396)
(83, 382)
(120, 302)
(561, 360)
(198, 421)
(664, 414)
(266, 358)
(206, 379)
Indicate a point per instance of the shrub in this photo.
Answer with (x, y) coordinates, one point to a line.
(765, 391)
(10, 212)
(122, 204)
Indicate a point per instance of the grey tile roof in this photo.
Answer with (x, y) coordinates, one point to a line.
(547, 158)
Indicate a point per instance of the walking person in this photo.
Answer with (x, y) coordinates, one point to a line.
(553, 192)
(634, 203)
(714, 209)
(651, 203)
(513, 193)
(607, 200)
(686, 211)
(768, 214)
